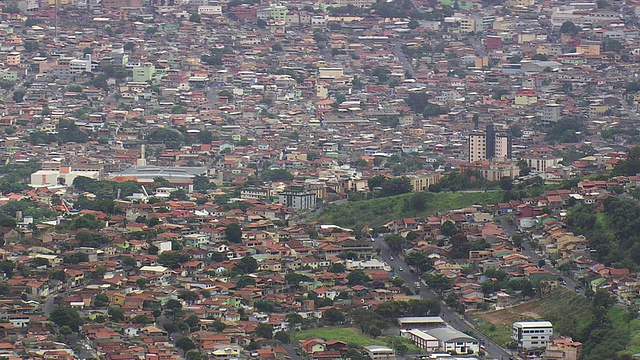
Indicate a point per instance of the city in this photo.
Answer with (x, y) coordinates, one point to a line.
(346, 179)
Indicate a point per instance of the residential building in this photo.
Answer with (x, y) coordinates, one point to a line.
(487, 145)
(298, 198)
(421, 182)
(532, 335)
(551, 113)
(542, 164)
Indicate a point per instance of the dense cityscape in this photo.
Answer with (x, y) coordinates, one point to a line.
(319, 180)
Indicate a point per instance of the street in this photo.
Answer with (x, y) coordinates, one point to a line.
(454, 319)
(527, 249)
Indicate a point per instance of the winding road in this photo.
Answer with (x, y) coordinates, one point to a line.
(451, 317)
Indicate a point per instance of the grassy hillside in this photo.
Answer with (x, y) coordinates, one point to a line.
(571, 315)
(377, 212)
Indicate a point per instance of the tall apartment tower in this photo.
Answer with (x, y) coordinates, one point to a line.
(488, 145)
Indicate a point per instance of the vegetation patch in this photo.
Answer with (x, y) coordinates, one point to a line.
(354, 337)
(377, 212)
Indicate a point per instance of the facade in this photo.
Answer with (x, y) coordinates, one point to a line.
(526, 97)
(495, 172)
(452, 340)
(551, 113)
(421, 182)
(563, 348)
(477, 147)
(376, 352)
(532, 335)
(64, 175)
(542, 164)
(175, 175)
(420, 322)
(356, 3)
(298, 198)
(210, 10)
(423, 340)
(255, 193)
(487, 145)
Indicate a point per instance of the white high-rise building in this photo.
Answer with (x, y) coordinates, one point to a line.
(531, 335)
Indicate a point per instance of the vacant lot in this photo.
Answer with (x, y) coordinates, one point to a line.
(354, 337)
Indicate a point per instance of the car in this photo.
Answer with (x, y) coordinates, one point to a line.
(401, 269)
(391, 258)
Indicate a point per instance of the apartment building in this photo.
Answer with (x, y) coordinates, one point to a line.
(488, 144)
(532, 335)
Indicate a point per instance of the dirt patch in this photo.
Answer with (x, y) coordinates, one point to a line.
(527, 311)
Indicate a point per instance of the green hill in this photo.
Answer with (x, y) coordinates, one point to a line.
(376, 212)
(607, 331)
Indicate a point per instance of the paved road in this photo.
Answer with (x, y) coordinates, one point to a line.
(402, 58)
(528, 250)
(451, 317)
(291, 350)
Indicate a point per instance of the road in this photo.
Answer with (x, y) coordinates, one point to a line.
(454, 319)
(528, 250)
(402, 58)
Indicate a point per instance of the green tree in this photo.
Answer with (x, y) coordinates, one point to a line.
(395, 242)
(437, 282)
(247, 265)
(333, 316)
(188, 296)
(194, 18)
(337, 268)
(282, 336)
(141, 283)
(449, 228)
(18, 96)
(506, 183)
(116, 314)
(264, 331)
(7, 267)
(244, 281)
(142, 319)
(101, 300)
(233, 233)
(358, 277)
(185, 343)
(66, 316)
(569, 27)
(173, 259)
